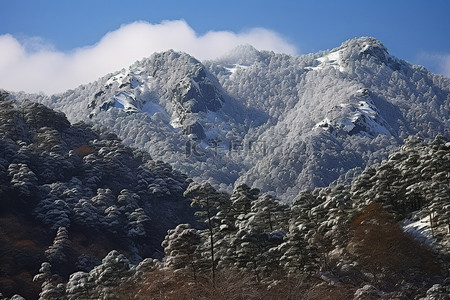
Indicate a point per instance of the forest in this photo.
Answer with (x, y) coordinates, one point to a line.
(85, 217)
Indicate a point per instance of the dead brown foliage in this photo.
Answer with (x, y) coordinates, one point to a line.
(229, 285)
(84, 150)
(384, 249)
(166, 284)
(21, 251)
(329, 292)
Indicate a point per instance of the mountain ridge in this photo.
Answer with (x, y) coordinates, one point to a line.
(354, 96)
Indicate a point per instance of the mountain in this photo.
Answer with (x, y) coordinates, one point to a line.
(276, 122)
(364, 211)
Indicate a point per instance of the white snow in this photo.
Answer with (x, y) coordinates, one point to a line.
(366, 112)
(420, 230)
(348, 124)
(152, 108)
(233, 68)
(117, 78)
(216, 128)
(314, 68)
(135, 78)
(124, 100)
(212, 132)
(197, 87)
(332, 59)
(175, 121)
(365, 47)
(324, 124)
(130, 99)
(373, 126)
(138, 70)
(366, 109)
(134, 82)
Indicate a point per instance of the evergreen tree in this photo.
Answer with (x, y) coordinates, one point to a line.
(50, 290)
(208, 200)
(181, 248)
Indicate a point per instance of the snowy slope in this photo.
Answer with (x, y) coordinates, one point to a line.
(335, 110)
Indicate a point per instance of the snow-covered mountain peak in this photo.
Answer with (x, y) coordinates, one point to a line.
(364, 43)
(362, 48)
(369, 48)
(241, 55)
(170, 82)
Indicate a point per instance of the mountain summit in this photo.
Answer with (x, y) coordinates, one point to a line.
(188, 89)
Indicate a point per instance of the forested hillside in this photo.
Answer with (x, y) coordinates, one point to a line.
(82, 218)
(385, 236)
(70, 194)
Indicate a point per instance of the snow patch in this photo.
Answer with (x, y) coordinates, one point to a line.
(197, 87)
(348, 124)
(366, 109)
(175, 122)
(367, 115)
(124, 100)
(135, 78)
(324, 124)
(365, 46)
(332, 59)
(152, 108)
(420, 230)
(371, 116)
(212, 132)
(117, 78)
(233, 68)
(134, 82)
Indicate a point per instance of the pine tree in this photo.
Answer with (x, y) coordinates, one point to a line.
(268, 214)
(208, 200)
(49, 291)
(241, 200)
(181, 248)
(57, 252)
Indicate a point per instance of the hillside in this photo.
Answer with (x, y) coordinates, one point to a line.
(70, 194)
(384, 236)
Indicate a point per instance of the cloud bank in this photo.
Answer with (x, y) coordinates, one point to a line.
(34, 66)
(439, 63)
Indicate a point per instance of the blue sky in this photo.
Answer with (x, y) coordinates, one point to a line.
(57, 30)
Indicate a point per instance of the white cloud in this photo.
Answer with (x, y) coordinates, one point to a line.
(34, 66)
(437, 63)
(446, 66)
